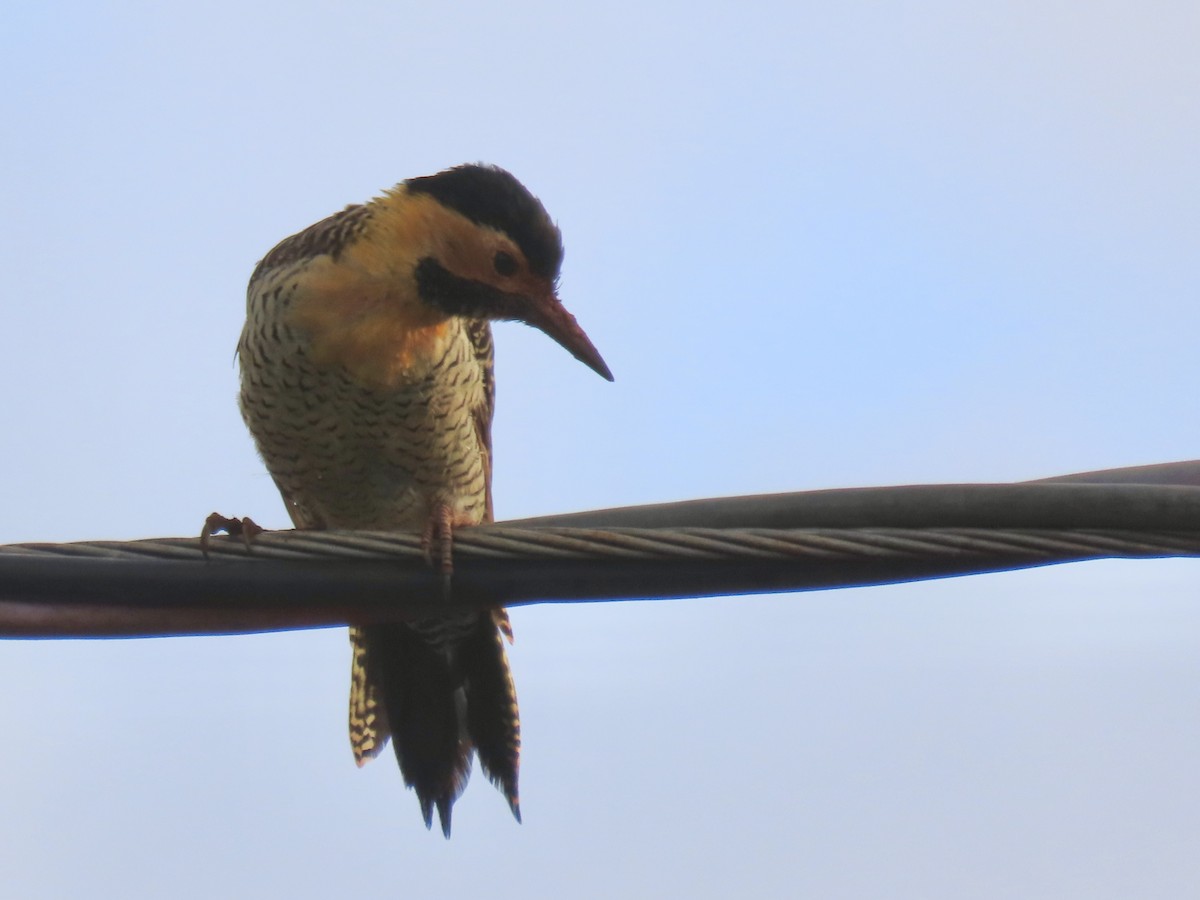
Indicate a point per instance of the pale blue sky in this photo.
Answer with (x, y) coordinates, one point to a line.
(820, 245)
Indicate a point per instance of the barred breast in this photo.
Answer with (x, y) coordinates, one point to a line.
(351, 455)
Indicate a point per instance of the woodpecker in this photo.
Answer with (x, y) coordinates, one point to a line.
(367, 382)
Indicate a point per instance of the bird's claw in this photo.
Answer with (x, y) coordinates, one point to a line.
(245, 528)
(440, 528)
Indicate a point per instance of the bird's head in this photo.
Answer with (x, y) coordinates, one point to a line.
(492, 253)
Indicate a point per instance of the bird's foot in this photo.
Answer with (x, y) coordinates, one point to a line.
(439, 531)
(245, 528)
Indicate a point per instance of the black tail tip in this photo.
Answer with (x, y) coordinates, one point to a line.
(444, 807)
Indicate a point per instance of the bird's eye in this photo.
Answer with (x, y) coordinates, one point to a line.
(504, 263)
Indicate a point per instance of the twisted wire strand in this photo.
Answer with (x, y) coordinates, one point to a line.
(814, 540)
(642, 544)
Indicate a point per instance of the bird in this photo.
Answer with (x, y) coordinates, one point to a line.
(367, 383)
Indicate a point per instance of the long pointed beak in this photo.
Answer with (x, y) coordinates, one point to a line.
(547, 314)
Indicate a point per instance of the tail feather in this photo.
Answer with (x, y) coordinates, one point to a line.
(419, 688)
(369, 729)
(442, 690)
(492, 716)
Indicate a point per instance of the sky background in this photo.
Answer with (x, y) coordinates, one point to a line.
(820, 245)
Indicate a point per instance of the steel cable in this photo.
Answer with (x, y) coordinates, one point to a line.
(784, 542)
